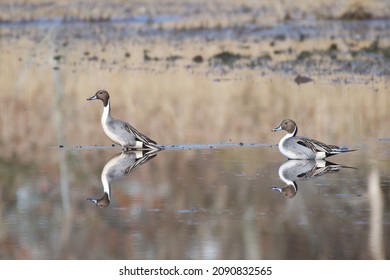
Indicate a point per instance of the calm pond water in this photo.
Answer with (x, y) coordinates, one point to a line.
(194, 202)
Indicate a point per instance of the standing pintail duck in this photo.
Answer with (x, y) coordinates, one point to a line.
(295, 147)
(121, 132)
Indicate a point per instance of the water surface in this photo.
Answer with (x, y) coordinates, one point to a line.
(197, 203)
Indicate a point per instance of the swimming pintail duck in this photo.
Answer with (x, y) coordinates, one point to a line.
(121, 132)
(295, 147)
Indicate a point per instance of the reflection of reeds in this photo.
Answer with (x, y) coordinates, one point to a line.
(376, 218)
(58, 114)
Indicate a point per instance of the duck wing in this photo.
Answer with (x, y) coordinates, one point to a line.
(138, 135)
(317, 146)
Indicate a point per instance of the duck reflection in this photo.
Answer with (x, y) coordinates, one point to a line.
(118, 167)
(299, 170)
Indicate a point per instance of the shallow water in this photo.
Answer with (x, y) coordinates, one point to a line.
(196, 203)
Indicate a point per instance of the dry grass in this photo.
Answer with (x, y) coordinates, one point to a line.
(176, 106)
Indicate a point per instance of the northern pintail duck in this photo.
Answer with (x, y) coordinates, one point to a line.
(121, 132)
(118, 167)
(295, 147)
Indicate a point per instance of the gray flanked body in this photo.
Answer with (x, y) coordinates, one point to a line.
(121, 132)
(296, 147)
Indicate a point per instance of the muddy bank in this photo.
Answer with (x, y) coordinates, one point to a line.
(311, 48)
(267, 38)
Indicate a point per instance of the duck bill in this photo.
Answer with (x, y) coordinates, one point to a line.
(277, 128)
(92, 97)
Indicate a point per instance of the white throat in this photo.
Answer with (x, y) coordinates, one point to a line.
(285, 137)
(282, 147)
(106, 113)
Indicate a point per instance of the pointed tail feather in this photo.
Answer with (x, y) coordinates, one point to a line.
(345, 149)
(339, 150)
